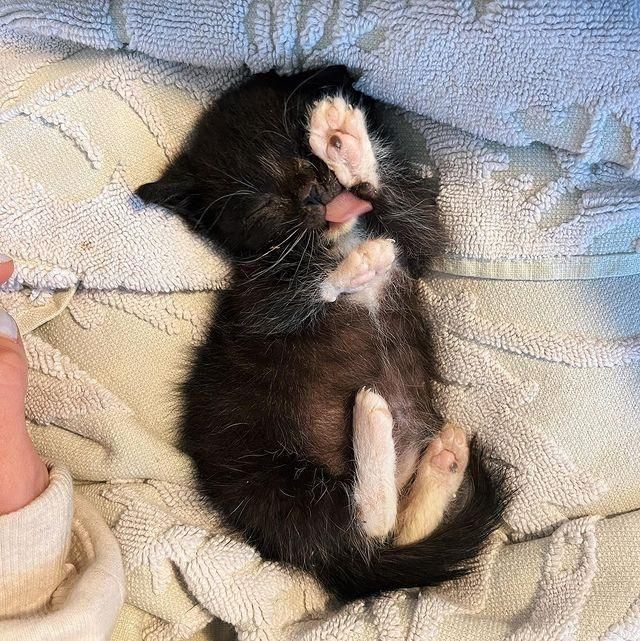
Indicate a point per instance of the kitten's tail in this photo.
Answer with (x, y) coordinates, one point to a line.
(449, 553)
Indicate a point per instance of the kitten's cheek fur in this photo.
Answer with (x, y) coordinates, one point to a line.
(338, 230)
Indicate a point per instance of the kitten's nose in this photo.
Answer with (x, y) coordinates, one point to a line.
(313, 197)
(318, 192)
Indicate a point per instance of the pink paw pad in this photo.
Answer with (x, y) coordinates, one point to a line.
(448, 453)
(338, 135)
(446, 461)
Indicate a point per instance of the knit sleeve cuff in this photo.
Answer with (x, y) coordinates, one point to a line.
(34, 542)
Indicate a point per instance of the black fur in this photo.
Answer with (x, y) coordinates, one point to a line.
(268, 403)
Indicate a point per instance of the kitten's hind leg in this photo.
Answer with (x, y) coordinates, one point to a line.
(438, 477)
(338, 135)
(375, 494)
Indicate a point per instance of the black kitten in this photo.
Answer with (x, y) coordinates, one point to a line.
(327, 228)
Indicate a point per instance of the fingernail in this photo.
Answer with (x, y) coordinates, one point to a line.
(8, 327)
(5, 259)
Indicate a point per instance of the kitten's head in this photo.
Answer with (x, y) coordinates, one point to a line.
(248, 177)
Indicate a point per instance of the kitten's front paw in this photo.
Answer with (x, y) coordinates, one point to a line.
(338, 136)
(365, 267)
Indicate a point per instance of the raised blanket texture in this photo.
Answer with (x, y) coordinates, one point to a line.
(110, 295)
(566, 72)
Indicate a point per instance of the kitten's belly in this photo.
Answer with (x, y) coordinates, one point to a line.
(296, 393)
(356, 354)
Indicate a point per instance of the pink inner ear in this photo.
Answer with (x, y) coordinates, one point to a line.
(346, 206)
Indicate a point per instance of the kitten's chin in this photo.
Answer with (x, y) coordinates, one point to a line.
(338, 230)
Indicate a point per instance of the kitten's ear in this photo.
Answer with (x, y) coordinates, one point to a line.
(335, 77)
(175, 189)
(323, 80)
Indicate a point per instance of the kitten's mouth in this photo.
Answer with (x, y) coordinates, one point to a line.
(346, 206)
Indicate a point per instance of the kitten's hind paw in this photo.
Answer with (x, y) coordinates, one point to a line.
(447, 457)
(438, 477)
(338, 135)
(375, 493)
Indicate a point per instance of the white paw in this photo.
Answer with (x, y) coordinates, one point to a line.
(375, 493)
(338, 136)
(369, 407)
(365, 266)
(438, 477)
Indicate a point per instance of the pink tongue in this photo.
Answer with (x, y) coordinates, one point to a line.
(346, 206)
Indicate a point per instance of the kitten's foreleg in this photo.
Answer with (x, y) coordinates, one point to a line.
(375, 494)
(438, 477)
(365, 268)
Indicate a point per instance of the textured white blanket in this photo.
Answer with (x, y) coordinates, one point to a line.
(544, 368)
(566, 72)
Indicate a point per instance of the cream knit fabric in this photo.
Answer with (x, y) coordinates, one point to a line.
(61, 573)
(110, 297)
